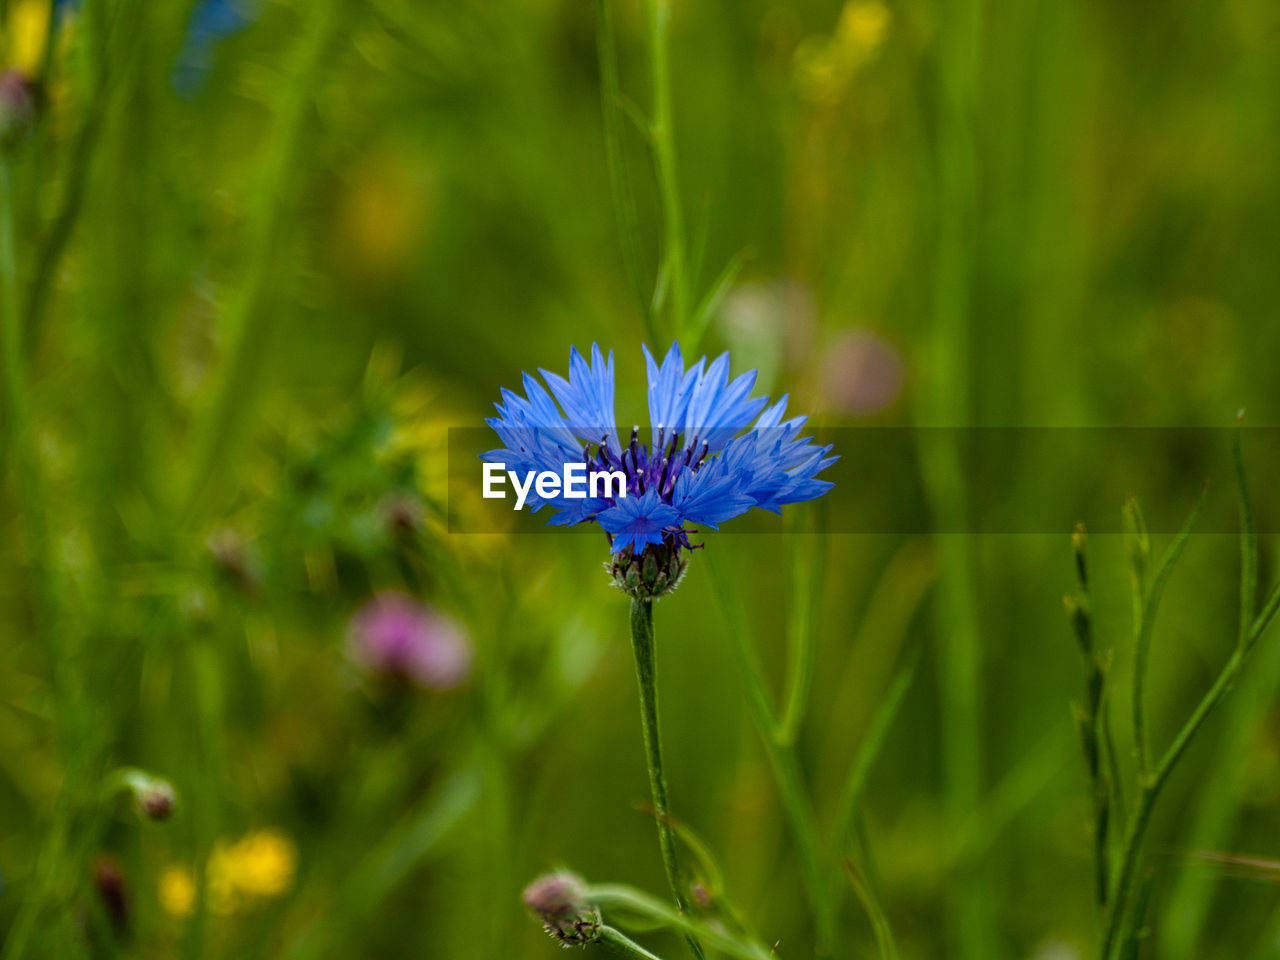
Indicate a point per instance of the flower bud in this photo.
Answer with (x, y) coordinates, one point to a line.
(17, 105)
(654, 573)
(560, 899)
(155, 798)
(108, 879)
(403, 514)
(1078, 538)
(1137, 540)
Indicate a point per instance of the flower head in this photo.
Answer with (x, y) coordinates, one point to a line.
(259, 866)
(395, 636)
(862, 373)
(157, 800)
(714, 451)
(154, 797)
(177, 891)
(560, 899)
(17, 105)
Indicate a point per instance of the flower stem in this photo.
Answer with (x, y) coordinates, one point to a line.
(647, 907)
(787, 775)
(948, 400)
(1144, 628)
(21, 456)
(664, 150)
(1150, 790)
(800, 643)
(624, 946)
(620, 182)
(647, 680)
(875, 913)
(245, 325)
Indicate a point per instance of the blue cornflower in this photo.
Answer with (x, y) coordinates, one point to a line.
(211, 22)
(715, 452)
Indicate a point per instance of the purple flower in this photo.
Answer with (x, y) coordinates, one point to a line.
(395, 636)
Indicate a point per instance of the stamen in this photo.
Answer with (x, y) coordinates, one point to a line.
(635, 449)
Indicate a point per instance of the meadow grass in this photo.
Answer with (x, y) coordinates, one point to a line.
(255, 263)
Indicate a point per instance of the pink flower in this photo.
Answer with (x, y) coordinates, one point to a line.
(862, 373)
(395, 636)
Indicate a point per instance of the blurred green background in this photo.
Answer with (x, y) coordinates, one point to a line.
(262, 258)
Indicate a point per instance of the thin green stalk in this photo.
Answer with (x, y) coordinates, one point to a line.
(642, 645)
(948, 401)
(800, 641)
(244, 328)
(21, 453)
(783, 763)
(631, 900)
(869, 750)
(1150, 791)
(875, 913)
(1113, 765)
(1248, 540)
(22, 457)
(391, 859)
(1219, 807)
(1138, 931)
(1010, 795)
(1187, 905)
(75, 178)
(623, 945)
(624, 199)
(1145, 627)
(675, 270)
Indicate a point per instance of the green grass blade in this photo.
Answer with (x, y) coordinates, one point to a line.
(629, 899)
(620, 183)
(875, 912)
(872, 743)
(1248, 540)
(711, 302)
(1142, 648)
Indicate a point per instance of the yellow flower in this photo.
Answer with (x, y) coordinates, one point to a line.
(27, 33)
(826, 65)
(862, 28)
(422, 416)
(383, 212)
(177, 891)
(259, 865)
(265, 862)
